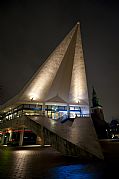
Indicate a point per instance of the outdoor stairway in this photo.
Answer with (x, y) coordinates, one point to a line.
(79, 139)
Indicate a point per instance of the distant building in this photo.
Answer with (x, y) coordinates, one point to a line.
(101, 126)
(114, 129)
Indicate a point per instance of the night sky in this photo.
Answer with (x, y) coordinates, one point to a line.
(30, 30)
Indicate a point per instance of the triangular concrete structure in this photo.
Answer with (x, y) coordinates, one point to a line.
(62, 74)
(57, 90)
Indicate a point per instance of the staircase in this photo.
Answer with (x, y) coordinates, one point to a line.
(79, 139)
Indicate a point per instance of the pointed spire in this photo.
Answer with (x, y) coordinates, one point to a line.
(78, 23)
(95, 99)
(94, 92)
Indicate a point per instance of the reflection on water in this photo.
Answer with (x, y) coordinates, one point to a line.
(79, 171)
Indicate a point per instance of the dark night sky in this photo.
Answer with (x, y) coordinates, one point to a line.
(30, 30)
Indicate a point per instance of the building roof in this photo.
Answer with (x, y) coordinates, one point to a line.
(61, 77)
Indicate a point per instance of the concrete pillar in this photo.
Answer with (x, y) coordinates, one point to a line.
(10, 136)
(43, 108)
(21, 137)
(38, 140)
(42, 137)
(68, 110)
(3, 137)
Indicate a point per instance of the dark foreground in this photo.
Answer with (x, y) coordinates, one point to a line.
(46, 163)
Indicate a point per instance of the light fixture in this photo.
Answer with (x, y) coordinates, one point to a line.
(33, 96)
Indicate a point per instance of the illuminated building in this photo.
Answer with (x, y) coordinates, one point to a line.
(59, 87)
(56, 92)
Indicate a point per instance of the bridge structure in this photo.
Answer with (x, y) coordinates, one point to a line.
(54, 104)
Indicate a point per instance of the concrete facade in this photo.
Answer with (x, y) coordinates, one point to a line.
(56, 90)
(61, 79)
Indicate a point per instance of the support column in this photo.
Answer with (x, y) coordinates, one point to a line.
(38, 140)
(21, 138)
(3, 137)
(43, 108)
(68, 110)
(10, 136)
(42, 137)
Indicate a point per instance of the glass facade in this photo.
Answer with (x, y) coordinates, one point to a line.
(51, 111)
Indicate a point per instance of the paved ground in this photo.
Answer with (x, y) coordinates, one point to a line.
(27, 162)
(30, 162)
(46, 163)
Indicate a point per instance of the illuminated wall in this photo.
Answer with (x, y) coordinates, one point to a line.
(62, 77)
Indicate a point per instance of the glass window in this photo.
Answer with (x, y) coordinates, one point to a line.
(62, 108)
(71, 107)
(32, 106)
(20, 107)
(26, 105)
(49, 107)
(76, 107)
(65, 108)
(39, 107)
